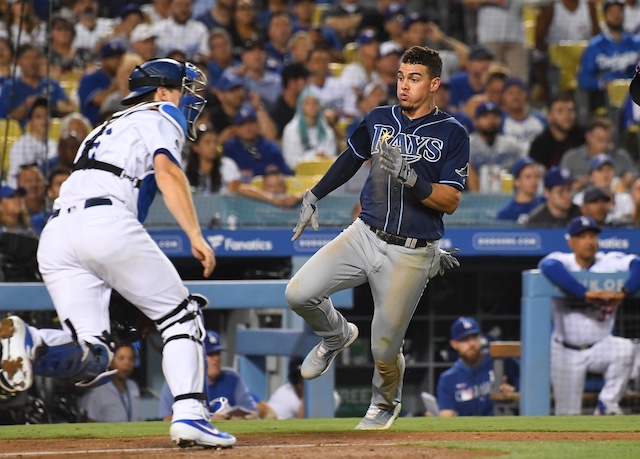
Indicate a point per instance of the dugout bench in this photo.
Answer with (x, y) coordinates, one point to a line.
(252, 345)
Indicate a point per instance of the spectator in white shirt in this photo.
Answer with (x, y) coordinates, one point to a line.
(182, 33)
(33, 146)
(308, 135)
(157, 10)
(90, 29)
(362, 71)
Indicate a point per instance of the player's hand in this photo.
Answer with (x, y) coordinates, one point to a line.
(203, 252)
(447, 260)
(308, 213)
(392, 162)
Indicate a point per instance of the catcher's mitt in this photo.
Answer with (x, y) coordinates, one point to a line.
(128, 323)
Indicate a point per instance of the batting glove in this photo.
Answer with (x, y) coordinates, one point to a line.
(447, 260)
(308, 213)
(392, 162)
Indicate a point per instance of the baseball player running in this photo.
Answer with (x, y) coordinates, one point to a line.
(420, 160)
(95, 241)
(582, 339)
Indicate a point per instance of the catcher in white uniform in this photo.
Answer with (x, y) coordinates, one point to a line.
(582, 339)
(95, 242)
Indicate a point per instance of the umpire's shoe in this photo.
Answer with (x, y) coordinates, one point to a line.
(17, 345)
(187, 433)
(319, 359)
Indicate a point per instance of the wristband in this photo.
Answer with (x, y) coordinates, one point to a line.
(422, 189)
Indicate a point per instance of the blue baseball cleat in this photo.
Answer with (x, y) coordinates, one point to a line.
(187, 433)
(17, 344)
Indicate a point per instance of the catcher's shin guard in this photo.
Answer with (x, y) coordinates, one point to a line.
(183, 360)
(86, 363)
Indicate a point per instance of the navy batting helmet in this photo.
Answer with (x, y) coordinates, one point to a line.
(170, 73)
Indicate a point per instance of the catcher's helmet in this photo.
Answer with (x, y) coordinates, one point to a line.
(170, 73)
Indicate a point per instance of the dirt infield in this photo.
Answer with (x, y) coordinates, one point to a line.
(351, 445)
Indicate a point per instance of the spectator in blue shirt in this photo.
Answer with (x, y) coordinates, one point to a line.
(526, 179)
(610, 55)
(278, 34)
(253, 153)
(465, 388)
(464, 85)
(17, 96)
(97, 86)
(221, 382)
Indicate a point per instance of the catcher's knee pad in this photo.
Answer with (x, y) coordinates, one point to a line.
(86, 363)
(184, 322)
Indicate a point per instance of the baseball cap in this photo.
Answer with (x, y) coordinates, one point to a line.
(487, 107)
(581, 224)
(514, 81)
(478, 53)
(594, 194)
(600, 160)
(253, 43)
(463, 327)
(366, 36)
(246, 113)
(8, 192)
(390, 47)
(607, 3)
(130, 8)
(228, 81)
(142, 32)
(557, 175)
(393, 10)
(521, 164)
(112, 48)
(412, 18)
(212, 343)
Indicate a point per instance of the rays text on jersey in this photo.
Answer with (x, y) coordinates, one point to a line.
(413, 146)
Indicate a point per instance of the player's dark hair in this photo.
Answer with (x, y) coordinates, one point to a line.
(22, 49)
(192, 170)
(559, 98)
(293, 71)
(422, 55)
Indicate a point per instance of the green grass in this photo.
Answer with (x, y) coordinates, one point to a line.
(421, 424)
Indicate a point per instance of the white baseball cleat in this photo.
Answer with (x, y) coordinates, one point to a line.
(16, 343)
(379, 418)
(319, 359)
(188, 432)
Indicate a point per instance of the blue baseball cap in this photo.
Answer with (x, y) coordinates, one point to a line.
(393, 10)
(112, 48)
(412, 18)
(557, 176)
(246, 113)
(463, 327)
(366, 36)
(600, 160)
(487, 107)
(9, 192)
(581, 224)
(228, 81)
(514, 81)
(479, 53)
(595, 194)
(131, 8)
(521, 164)
(212, 343)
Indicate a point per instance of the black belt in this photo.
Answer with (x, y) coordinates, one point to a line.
(91, 202)
(584, 347)
(409, 242)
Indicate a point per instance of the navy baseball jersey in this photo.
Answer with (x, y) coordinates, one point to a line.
(437, 148)
(467, 390)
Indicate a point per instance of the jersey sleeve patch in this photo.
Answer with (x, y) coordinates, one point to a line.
(174, 115)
